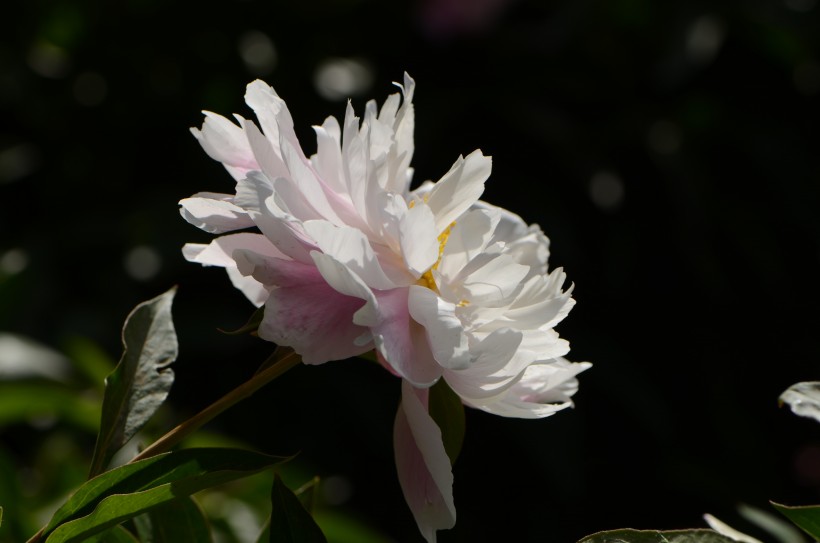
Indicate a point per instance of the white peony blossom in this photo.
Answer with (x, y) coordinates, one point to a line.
(349, 259)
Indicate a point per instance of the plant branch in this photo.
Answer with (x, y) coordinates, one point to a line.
(275, 366)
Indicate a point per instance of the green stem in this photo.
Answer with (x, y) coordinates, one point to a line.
(280, 364)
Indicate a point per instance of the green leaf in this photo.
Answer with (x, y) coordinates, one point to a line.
(345, 528)
(1, 515)
(307, 494)
(653, 536)
(22, 402)
(117, 534)
(251, 326)
(447, 411)
(90, 359)
(141, 381)
(174, 522)
(127, 491)
(805, 517)
(290, 522)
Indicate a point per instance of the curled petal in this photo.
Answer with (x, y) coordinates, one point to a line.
(225, 142)
(804, 399)
(459, 188)
(214, 213)
(423, 465)
(220, 252)
(545, 388)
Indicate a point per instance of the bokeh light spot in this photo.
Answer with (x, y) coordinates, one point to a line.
(48, 60)
(664, 137)
(13, 261)
(258, 52)
(606, 190)
(18, 161)
(142, 263)
(90, 89)
(807, 78)
(340, 78)
(704, 39)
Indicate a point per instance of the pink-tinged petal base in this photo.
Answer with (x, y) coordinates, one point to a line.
(402, 341)
(423, 465)
(313, 318)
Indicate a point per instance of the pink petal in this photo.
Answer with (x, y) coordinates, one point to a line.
(423, 465)
(402, 341)
(313, 318)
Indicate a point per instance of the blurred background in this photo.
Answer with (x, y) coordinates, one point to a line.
(668, 149)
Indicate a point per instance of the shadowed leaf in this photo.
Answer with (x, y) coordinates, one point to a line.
(127, 491)
(290, 522)
(141, 381)
(806, 517)
(173, 522)
(654, 536)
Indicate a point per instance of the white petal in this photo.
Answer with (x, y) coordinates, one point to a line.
(350, 247)
(545, 388)
(495, 281)
(225, 142)
(459, 189)
(445, 331)
(419, 239)
(214, 213)
(803, 399)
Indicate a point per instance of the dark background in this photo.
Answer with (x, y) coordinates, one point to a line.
(668, 149)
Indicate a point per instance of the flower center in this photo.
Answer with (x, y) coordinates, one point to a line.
(427, 277)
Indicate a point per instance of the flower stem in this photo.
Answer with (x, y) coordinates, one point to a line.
(275, 366)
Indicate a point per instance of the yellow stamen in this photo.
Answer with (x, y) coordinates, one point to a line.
(427, 277)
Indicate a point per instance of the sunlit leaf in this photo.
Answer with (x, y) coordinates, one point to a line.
(127, 491)
(290, 522)
(654, 536)
(174, 522)
(806, 517)
(447, 411)
(141, 381)
(22, 402)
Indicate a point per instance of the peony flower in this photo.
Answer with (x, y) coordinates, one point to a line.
(440, 284)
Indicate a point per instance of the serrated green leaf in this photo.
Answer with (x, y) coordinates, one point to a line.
(290, 522)
(22, 402)
(174, 522)
(654, 536)
(141, 381)
(805, 517)
(130, 490)
(447, 411)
